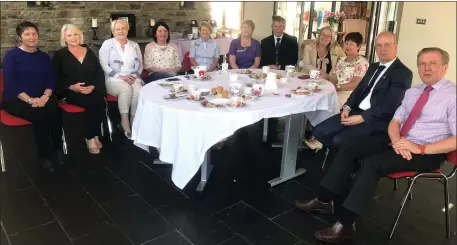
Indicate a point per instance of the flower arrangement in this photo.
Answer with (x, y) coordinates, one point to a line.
(334, 17)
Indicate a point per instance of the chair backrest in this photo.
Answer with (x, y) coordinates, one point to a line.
(186, 61)
(452, 157)
(355, 25)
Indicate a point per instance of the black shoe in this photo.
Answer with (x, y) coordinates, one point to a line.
(47, 165)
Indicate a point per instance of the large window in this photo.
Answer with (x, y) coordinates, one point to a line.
(227, 13)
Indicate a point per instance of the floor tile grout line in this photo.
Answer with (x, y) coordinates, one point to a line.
(104, 211)
(272, 220)
(22, 231)
(44, 200)
(163, 236)
(154, 209)
(6, 233)
(213, 213)
(290, 209)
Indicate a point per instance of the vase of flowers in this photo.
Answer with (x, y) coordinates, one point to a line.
(334, 19)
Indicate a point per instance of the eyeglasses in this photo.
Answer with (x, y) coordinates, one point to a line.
(326, 36)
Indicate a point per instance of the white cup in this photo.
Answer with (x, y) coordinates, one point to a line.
(313, 87)
(265, 69)
(290, 70)
(283, 80)
(247, 90)
(190, 36)
(314, 74)
(196, 94)
(233, 77)
(178, 87)
(235, 88)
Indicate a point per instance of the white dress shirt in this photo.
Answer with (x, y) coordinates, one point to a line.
(366, 104)
(276, 38)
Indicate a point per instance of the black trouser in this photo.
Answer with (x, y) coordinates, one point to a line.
(378, 159)
(46, 121)
(94, 105)
(331, 133)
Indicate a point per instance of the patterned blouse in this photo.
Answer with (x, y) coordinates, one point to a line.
(164, 57)
(345, 71)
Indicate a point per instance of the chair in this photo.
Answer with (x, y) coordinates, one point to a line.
(186, 61)
(435, 175)
(8, 120)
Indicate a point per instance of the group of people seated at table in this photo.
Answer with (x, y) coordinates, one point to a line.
(384, 122)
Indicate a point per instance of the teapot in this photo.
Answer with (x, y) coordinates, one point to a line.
(271, 82)
(200, 71)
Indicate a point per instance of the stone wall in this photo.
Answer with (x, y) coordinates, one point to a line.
(51, 18)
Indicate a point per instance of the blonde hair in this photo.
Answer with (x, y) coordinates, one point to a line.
(332, 44)
(120, 21)
(444, 54)
(70, 27)
(250, 23)
(205, 24)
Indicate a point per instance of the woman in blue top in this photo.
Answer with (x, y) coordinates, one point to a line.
(28, 93)
(204, 51)
(244, 51)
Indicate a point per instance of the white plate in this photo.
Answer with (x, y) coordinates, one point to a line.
(220, 101)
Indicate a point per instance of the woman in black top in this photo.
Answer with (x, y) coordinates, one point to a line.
(81, 80)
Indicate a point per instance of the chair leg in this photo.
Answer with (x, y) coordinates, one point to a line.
(2, 157)
(108, 122)
(396, 184)
(64, 145)
(403, 202)
(446, 208)
(410, 196)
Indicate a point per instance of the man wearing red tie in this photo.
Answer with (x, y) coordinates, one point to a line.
(421, 132)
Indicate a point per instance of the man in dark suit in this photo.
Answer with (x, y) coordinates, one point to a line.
(372, 104)
(279, 49)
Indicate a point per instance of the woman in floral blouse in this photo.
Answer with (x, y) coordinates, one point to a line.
(346, 75)
(350, 70)
(161, 58)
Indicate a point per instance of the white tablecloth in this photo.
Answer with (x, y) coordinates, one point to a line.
(184, 45)
(184, 130)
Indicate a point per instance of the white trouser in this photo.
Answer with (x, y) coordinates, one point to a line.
(127, 94)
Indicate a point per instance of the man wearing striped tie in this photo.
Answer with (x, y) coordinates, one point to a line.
(421, 133)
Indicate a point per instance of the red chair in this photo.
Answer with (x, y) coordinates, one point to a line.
(144, 74)
(8, 120)
(70, 109)
(187, 62)
(436, 175)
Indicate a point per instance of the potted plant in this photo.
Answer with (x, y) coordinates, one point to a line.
(334, 19)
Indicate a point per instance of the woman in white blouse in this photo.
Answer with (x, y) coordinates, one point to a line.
(161, 58)
(121, 61)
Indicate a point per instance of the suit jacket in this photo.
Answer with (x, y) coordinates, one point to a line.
(288, 51)
(310, 57)
(387, 94)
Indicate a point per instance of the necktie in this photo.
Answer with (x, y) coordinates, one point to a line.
(416, 111)
(372, 81)
(277, 49)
